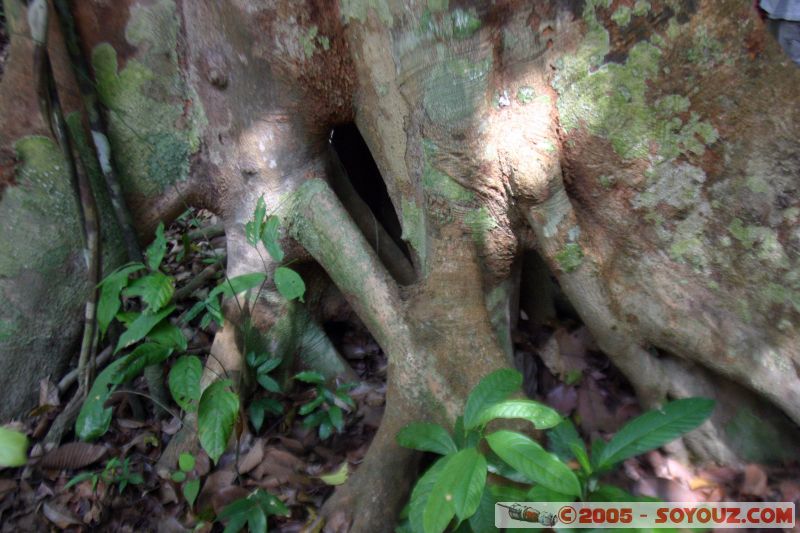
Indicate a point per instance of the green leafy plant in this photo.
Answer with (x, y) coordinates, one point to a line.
(116, 472)
(326, 410)
(189, 486)
(262, 365)
(151, 327)
(252, 511)
(455, 485)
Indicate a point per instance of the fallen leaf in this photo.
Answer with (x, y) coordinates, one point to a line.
(167, 494)
(252, 458)
(338, 477)
(72, 456)
(226, 496)
(215, 482)
(48, 393)
(60, 516)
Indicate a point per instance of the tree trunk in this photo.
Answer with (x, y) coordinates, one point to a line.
(649, 152)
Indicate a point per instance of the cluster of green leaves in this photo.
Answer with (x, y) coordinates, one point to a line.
(151, 327)
(252, 511)
(189, 486)
(326, 410)
(116, 472)
(13, 448)
(455, 485)
(262, 365)
(264, 229)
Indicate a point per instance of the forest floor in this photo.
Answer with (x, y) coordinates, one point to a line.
(560, 363)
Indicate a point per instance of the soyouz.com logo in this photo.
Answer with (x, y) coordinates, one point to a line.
(624, 515)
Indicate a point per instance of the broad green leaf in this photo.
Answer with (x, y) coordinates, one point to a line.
(155, 290)
(193, 312)
(254, 228)
(315, 419)
(235, 524)
(140, 327)
(457, 491)
(270, 238)
(216, 416)
(155, 252)
(610, 493)
(142, 356)
(336, 417)
(541, 416)
(421, 492)
(565, 442)
(309, 376)
(338, 477)
(531, 460)
(109, 303)
(268, 383)
(231, 286)
(269, 365)
(483, 519)
(94, 417)
(255, 412)
(289, 283)
(13, 448)
(655, 428)
(190, 490)
(186, 462)
(540, 493)
(184, 381)
(178, 477)
(507, 493)
(83, 476)
(121, 273)
(493, 388)
(169, 335)
(250, 233)
(269, 503)
(310, 406)
(256, 520)
(127, 317)
(325, 430)
(427, 437)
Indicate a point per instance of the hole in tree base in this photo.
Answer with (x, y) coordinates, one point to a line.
(365, 180)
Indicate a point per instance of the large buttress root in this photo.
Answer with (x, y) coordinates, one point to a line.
(655, 378)
(429, 372)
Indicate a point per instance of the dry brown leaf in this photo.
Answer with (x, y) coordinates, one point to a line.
(226, 496)
(60, 516)
(755, 481)
(48, 393)
(72, 456)
(166, 493)
(252, 458)
(202, 464)
(214, 483)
